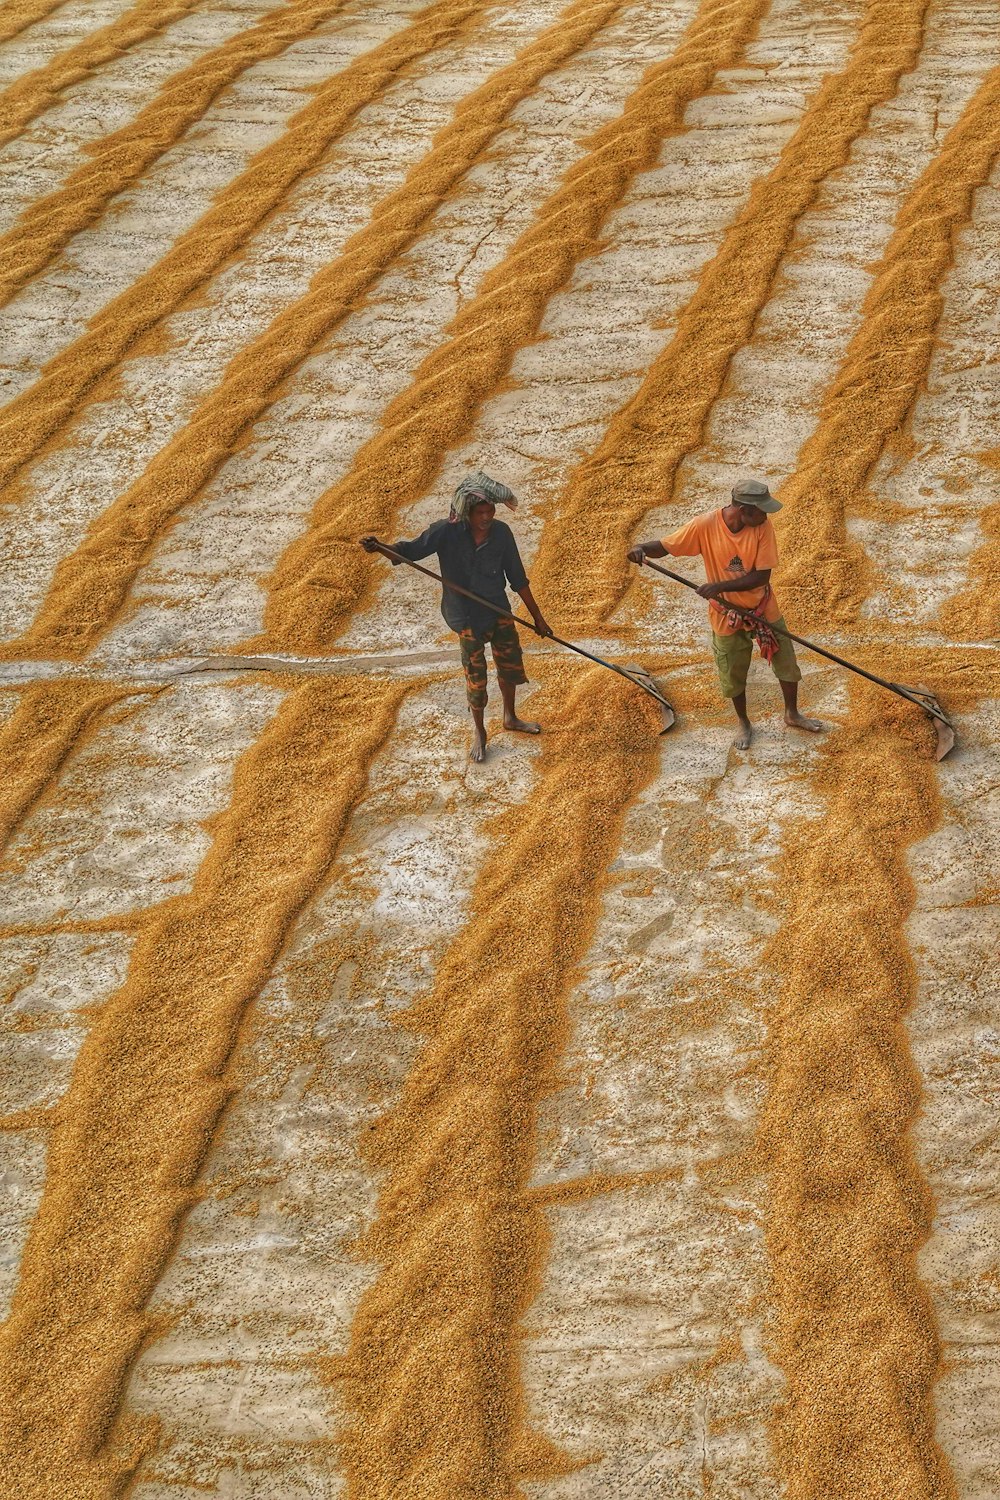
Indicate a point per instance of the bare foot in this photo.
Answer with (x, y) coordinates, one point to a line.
(477, 751)
(797, 721)
(522, 726)
(742, 740)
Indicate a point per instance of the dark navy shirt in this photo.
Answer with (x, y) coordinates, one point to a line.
(483, 569)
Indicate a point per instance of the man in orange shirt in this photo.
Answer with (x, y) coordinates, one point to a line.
(739, 549)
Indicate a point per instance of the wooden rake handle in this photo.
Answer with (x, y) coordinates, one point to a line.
(456, 588)
(925, 701)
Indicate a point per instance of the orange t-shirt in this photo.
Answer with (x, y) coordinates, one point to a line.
(728, 556)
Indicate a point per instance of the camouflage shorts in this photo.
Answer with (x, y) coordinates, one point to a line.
(507, 658)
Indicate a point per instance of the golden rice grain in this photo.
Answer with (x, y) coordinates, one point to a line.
(666, 419)
(849, 1209)
(34, 92)
(149, 1084)
(17, 15)
(90, 585)
(119, 159)
(323, 576)
(72, 377)
(826, 576)
(974, 614)
(431, 1378)
(50, 721)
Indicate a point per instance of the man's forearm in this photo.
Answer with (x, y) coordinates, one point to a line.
(535, 612)
(742, 585)
(411, 551)
(655, 548)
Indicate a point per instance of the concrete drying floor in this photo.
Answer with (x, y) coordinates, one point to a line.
(614, 1118)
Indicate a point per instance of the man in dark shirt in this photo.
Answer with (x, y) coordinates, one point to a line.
(479, 553)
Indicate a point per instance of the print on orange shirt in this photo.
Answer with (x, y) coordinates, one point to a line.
(728, 556)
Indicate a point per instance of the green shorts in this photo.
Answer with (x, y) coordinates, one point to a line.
(732, 658)
(507, 658)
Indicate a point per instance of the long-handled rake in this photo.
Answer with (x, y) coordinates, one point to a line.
(638, 676)
(923, 699)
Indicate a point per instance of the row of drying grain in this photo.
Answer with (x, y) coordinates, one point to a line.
(450, 390)
(49, 1344)
(89, 587)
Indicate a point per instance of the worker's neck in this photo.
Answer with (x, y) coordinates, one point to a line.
(733, 519)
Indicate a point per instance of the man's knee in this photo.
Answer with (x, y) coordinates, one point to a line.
(732, 662)
(784, 664)
(475, 686)
(507, 656)
(474, 667)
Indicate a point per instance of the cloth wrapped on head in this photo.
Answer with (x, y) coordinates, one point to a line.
(476, 487)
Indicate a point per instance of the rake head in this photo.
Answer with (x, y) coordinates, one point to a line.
(642, 680)
(943, 727)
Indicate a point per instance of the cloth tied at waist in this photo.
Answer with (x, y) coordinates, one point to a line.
(754, 623)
